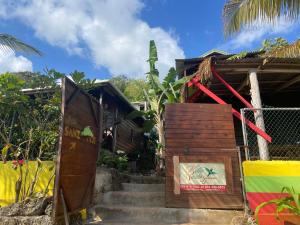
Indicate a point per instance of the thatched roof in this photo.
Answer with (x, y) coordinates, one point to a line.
(274, 74)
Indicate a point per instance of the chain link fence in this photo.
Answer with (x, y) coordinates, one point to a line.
(282, 124)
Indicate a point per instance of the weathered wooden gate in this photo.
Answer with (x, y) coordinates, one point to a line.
(202, 160)
(79, 143)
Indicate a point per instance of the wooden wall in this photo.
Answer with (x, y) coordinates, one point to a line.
(129, 136)
(201, 133)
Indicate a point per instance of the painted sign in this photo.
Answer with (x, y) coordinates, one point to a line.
(78, 150)
(203, 177)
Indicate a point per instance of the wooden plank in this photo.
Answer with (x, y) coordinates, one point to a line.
(204, 117)
(185, 136)
(204, 125)
(176, 175)
(194, 139)
(212, 143)
(287, 84)
(77, 154)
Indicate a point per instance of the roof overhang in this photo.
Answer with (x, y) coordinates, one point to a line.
(274, 74)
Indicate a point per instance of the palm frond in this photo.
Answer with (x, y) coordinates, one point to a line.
(10, 43)
(287, 51)
(240, 13)
(204, 70)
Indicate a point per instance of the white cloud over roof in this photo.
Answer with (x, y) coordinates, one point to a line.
(110, 33)
(9, 62)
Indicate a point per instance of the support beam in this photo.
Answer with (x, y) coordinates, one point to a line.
(258, 114)
(231, 89)
(243, 84)
(245, 70)
(287, 84)
(234, 112)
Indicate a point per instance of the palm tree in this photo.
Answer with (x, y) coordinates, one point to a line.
(240, 13)
(10, 43)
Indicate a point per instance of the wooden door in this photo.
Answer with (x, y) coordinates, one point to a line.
(79, 144)
(202, 163)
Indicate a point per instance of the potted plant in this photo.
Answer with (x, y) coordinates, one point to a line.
(287, 208)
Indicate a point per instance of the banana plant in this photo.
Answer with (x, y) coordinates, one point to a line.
(159, 94)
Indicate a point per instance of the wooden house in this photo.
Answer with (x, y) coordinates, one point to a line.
(119, 132)
(263, 82)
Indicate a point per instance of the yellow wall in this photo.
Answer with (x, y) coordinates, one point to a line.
(9, 176)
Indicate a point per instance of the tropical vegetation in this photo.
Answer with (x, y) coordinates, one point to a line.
(159, 93)
(29, 121)
(238, 14)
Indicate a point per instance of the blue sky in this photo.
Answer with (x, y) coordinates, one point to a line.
(104, 38)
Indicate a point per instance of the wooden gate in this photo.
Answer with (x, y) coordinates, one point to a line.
(79, 143)
(202, 163)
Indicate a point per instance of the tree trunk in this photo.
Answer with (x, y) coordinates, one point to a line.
(258, 115)
(160, 149)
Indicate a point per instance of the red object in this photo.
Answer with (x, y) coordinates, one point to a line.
(198, 187)
(21, 162)
(234, 112)
(230, 88)
(256, 198)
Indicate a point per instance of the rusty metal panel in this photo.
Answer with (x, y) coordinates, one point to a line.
(79, 144)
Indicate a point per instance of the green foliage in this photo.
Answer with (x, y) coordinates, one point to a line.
(277, 47)
(121, 82)
(159, 94)
(134, 90)
(271, 44)
(32, 120)
(131, 88)
(111, 160)
(240, 55)
(80, 79)
(290, 203)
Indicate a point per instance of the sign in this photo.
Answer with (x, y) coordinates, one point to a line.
(202, 177)
(79, 143)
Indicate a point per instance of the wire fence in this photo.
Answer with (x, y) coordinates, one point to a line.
(282, 124)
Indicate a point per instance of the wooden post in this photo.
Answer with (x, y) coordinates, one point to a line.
(258, 114)
(186, 90)
(115, 127)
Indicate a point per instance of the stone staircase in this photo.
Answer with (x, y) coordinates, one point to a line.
(142, 202)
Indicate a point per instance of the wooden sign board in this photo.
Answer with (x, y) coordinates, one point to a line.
(78, 150)
(202, 164)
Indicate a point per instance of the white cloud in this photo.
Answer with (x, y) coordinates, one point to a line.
(9, 62)
(258, 31)
(108, 31)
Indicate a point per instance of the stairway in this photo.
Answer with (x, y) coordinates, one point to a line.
(142, 202)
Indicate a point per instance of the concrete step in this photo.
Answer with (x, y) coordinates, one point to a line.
(146, 179)
(121, 223)
(143, 199)
(160, 215)
(143, 187)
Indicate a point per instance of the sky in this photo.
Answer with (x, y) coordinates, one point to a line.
(105, 38)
